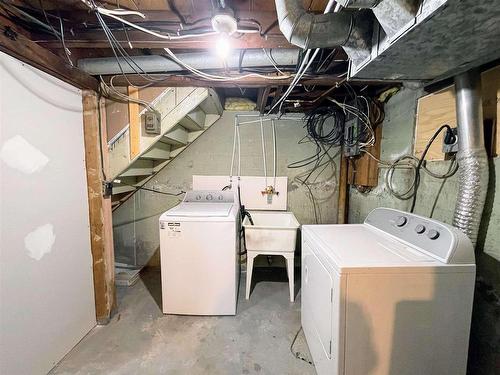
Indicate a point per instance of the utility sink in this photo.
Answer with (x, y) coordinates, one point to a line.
(273, 231)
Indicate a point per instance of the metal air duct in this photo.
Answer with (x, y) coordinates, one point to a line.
(349, 28)
(198, 60)
(472, 159)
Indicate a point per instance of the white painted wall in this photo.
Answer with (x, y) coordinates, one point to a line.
(46, 288)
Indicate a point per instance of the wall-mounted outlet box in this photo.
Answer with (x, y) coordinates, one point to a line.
(152, 122)
(450, 141)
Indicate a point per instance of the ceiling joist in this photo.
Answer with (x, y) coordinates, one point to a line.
(19, 46)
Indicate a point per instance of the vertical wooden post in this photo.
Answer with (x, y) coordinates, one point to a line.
(262, 98)
(101, 228)
(343, 202)
(134, 122)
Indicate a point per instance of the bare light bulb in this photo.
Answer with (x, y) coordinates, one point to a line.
(222, 46)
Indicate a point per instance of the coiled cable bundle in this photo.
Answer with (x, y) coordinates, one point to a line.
(325, 125)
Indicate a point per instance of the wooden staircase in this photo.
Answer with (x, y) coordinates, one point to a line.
(186, 112)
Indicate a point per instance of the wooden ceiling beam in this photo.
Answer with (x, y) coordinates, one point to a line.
(84, 36)
(20, 47)
(265, 18)
(97, 39)
(184, 81)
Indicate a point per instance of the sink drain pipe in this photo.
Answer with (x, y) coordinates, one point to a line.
(471, 156)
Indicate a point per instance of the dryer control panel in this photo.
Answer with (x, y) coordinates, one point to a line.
(432, 237)
(209, 196)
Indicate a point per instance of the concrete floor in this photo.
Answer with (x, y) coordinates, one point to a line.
(141, 340)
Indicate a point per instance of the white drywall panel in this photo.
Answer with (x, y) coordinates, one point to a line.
(46, 287)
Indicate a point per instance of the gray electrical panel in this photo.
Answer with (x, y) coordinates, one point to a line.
(352, 130)
(152, 122)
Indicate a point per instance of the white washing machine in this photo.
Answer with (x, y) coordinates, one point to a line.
(391, 296)
(199, 249)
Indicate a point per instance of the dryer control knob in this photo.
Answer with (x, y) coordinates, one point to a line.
(209, 197)
(433, 234)
(401, 221)
(420, 229)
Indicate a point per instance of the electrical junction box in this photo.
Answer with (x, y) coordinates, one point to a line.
(152, 122)
(352, 129)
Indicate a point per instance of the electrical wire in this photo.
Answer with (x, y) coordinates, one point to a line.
(46, 26)
(416, 165)
(110, 90)
(117, 13)
(306, 63)
(325, 125)
(142, 187)
(213, 77)
(271, 60)
(421, 160)
(298, 355)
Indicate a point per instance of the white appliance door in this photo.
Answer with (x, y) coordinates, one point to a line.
(317, 296)
(198, 267)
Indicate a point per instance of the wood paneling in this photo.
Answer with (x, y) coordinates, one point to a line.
(438, 108)
(134, 121)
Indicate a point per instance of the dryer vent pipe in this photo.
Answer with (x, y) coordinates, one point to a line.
(348, 28)
(471, 156)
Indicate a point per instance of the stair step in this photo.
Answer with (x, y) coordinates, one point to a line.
(211, 104)
(193, 135)
(177, 136)
(159, 166)
(210, 119)
(160, 151)
(181, 130)
(140, 167)
(118, 189)
(194, 120)
(177, 151)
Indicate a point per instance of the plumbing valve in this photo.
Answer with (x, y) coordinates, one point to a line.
(269, 191)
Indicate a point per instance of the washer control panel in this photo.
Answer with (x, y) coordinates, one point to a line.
(209, 196)
(431, 236)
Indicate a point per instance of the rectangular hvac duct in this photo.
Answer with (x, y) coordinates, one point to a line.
(444, 37)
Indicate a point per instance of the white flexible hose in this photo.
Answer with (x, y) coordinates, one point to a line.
(234, 152)
(273, 126)
(263, 149)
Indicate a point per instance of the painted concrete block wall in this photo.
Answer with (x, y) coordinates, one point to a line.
(136, 221)
(437, 198)
(46, 287)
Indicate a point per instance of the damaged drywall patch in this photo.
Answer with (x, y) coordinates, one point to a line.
(40, 241)
(19, 154)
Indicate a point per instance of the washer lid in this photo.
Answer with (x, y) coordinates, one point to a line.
(188, 209)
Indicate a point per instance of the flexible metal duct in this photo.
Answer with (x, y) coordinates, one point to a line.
(198, 60)
(349, 28)
(471, 156)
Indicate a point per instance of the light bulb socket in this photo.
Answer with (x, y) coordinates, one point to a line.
(223, 21)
